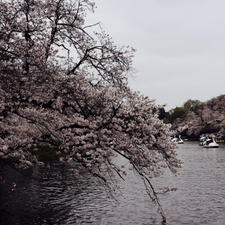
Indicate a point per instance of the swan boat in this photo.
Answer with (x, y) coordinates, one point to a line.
(177, 140)
(210, 143)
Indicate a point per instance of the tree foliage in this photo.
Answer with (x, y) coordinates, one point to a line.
(65, 86)
(178, 112)
(181, 112)
(191, 105)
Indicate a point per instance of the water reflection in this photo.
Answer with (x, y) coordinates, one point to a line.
(57, 197)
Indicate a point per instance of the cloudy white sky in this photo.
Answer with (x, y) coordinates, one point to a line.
(180, 45)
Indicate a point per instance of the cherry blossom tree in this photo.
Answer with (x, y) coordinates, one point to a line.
(64, 85)
(204, 118)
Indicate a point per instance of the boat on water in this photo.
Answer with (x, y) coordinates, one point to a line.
(177, 140)
(210, 143)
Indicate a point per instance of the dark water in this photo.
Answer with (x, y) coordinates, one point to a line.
(58, 198)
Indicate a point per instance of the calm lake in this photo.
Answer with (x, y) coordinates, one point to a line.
(58, 198)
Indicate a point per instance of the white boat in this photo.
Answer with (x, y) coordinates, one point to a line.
(177, 140)
(210, 143)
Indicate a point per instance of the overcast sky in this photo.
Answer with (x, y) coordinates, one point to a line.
(180, 45)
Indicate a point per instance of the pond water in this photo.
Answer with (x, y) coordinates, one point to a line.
(58, 198)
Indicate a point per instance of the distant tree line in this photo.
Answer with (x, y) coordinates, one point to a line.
(195, 118)
(178, 112)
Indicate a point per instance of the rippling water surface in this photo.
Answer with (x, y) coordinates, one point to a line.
(60, 199)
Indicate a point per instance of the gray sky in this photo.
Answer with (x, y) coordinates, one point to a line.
(180, 45)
